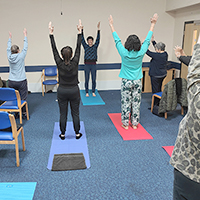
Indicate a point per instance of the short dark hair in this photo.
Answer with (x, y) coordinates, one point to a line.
(66, 53)
(133, 43)
(90, 37)
(14, 49)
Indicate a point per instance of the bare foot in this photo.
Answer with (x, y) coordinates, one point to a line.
(87, 95)
(125, 127)
(134, 127)
(93, 94)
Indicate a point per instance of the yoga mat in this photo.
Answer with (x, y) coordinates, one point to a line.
(70, 144)
(131, 134)
(88, 101)
(17, 191)
(168, 149)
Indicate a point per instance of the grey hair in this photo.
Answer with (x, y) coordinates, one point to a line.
(14, 49)
(160, 46)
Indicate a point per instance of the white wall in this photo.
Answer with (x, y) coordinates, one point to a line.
(130, 16)
(172, 5)
(182, 16)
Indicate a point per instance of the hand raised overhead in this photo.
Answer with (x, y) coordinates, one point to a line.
(79, 26)
(154, 18)
(98, 25)
(51, 28)
(25, 32)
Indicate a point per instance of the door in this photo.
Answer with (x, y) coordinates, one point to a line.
(191, 33)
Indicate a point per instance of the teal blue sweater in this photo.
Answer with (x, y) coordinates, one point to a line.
(131, 67)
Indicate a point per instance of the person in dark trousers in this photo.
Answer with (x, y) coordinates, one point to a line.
(158, 65)
(17, 75)
(68, 90)
(90, 59)
(186, 154)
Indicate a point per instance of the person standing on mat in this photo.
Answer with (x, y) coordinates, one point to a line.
(131, 54)
(68, 89)
(90, 59)
(186, 154)
(17, 74)
(158, 66)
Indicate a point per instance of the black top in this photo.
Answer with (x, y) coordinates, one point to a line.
(68, 74)
(185, 59)
(158, 63)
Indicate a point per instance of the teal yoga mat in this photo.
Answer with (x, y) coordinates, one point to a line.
(90, 101)
(17, 190)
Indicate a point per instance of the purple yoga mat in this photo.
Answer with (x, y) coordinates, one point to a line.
(70, 144)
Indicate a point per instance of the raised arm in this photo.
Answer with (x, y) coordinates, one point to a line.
(83, 39)
(180, 54)
(110, 19)
(9, 44)
(56, 55)
(121, 49)
(78, 45)
(153, 21)
(96, 44)
(24, 50)
(147, 40)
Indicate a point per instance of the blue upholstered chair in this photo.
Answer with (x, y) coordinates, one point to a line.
(49, 72)
(9, 132)
(13, 102)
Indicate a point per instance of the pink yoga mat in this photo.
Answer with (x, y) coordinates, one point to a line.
(168, 149)
(131, 134)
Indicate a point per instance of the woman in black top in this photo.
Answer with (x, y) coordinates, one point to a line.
(68, 90)
(158, 65)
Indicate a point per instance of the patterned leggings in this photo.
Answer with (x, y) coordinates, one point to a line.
(130, 101)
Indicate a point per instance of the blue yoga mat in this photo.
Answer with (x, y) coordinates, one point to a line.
(88, 101)
(17, 191)
(70, 144)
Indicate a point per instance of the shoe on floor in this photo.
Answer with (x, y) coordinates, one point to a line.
(78, 136)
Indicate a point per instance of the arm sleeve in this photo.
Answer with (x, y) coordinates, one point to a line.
(9, 47)
(146, 42)
(97, 39)
(151, 54)
(78, 49)
(185, 59)
(24, 50)
(57, 58)
(120, 48)
(83, 40)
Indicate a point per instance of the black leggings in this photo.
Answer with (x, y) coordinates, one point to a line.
(21, 86)
(185, 188)
(71, 95)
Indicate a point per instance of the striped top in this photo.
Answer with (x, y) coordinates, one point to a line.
(91, 52)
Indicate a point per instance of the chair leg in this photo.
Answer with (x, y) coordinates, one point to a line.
(20, 116)
(23, 141)
(152, 103)
(165, 115)
(27, 114)
(17, 151)
(182, 110)
(42, 90)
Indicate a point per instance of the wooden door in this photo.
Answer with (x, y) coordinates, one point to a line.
(190, 37)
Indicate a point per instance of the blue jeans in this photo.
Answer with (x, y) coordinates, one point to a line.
(88, 69)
